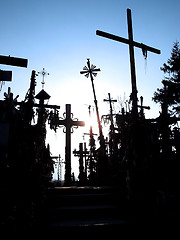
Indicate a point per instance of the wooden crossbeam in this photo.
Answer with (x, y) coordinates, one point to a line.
(126, 41)
(13, 61)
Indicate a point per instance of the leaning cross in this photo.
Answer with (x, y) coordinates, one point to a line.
(131, 44)
(68, 122)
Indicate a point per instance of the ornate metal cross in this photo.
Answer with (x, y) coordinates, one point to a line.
(43, 73)
(92, 71)
(68, 122)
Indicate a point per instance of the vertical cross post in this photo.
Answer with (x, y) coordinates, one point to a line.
(68, 122)
(132, 65)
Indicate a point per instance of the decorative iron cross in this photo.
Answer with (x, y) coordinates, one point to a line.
(43, 73)
(68, 122)
(131, 44)
(92, 71)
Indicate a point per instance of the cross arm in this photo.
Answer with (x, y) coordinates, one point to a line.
(79, 123)
(144, 107)
(90, 70)
(48, 106)
(124, 40)
(86, 71)
(112, 100)
(38, 105)
(19, 62)
(62, 122)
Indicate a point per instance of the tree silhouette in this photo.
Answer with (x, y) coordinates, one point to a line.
(171, 90)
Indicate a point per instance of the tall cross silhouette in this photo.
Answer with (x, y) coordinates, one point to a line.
(92, 71)
(131, 44)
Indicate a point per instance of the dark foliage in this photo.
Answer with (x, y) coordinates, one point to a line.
(171, 89)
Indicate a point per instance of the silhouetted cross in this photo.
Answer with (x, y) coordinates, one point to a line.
(82, 164)
(110, 100)
(68, 122)
(43, 73)
(92, 71)
(142, 107)
(131, 44)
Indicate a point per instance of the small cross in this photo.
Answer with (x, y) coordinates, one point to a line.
(8, 60)
(142, 107)
(82, 164)
(43, 73)
(110, 100)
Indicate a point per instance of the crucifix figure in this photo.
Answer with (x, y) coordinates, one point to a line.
(131, 44)
(68, 122)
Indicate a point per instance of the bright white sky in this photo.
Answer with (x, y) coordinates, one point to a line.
(60, 35)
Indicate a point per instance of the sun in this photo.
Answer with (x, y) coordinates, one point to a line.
(91, 120)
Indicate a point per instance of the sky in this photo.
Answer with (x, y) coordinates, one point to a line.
(59, 35)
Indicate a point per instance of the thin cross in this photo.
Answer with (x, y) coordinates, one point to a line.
(43, 73)
(110, 100)
(131, 44)
(68, 122)
(92, 71)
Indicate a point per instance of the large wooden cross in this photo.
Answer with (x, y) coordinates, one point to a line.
(131, 44)
(68, 122)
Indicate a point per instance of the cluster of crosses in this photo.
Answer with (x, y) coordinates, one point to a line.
(89, 70)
